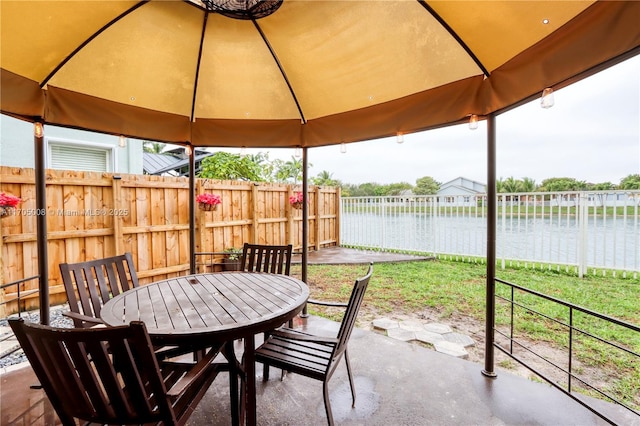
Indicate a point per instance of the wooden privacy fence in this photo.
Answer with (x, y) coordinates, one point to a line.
(92, 215)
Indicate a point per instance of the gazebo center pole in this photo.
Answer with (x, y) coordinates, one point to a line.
(192, 209)
(491, 247)
(305, 217)
(41, 222)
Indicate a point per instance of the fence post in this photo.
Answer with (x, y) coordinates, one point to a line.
(117, 217)
(384, 223)
(3, 306)
(319, 210)
(338, 212)
(288, 211)
(255, 215)
(583, 219)
(503, 229)
(200, 221)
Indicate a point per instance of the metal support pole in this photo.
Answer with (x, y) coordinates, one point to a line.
(305, 218)
(192, 210)
(491, 247)
(41, 222)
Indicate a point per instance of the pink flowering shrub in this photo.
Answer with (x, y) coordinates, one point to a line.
(9, 200)
(207, 198)
(296, 198)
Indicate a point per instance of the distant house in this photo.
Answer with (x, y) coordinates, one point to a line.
(174, 162)
(68, 149)
(460, 192)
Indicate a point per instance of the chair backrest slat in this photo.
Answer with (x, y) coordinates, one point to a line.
(106, 375)
(90, 284)
(351, 313)
(266, 258)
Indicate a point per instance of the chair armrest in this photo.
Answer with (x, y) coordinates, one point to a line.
(194, 374)
(295, 335)
(323, 303)
(85, 318)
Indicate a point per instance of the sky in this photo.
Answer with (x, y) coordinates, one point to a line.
(592, 134)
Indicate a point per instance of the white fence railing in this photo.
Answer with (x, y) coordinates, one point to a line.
(597, 230)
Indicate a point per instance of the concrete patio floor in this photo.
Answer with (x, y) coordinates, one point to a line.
(397, 383)
(340, 255)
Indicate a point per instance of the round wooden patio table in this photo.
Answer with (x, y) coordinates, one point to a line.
(196, 310)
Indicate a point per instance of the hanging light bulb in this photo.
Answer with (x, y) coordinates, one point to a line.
(187, 150)
(343, 147)
(547, 100)
(38, 131)
(122, 141)
(297, 152)
(473, 122)
(400, 138)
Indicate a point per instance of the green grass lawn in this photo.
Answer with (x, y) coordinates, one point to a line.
(448, 287)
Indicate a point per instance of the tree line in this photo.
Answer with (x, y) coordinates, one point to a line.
(427, 185)
(259, 168)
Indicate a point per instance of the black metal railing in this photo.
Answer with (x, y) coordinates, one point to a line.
(580, 343)
(19, 292)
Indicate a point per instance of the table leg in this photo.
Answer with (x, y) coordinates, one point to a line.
(250, 383)
(235, 373)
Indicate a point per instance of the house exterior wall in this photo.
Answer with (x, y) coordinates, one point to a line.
(16, 145)
(460, 192)
(456, 190)
(463, 182)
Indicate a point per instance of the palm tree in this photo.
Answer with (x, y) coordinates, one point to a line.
(289, 171)
(527, 185)
(511, 184)
(153, 147)
(324, 178)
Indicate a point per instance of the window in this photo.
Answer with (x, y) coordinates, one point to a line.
(80, 156)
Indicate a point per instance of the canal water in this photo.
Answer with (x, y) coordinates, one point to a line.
(612, 242)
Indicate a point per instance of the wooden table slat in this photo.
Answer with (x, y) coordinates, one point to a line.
(239, 308)
(209, 296)
(217, 304)
(212, 308)
(275, 293)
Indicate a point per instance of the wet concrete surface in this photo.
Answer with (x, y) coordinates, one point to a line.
(397, 383)
(342, 256)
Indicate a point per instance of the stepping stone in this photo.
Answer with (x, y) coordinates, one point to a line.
(411, 326)
(425, 336)
(384, 324)
(435, 327)
(400, 334)
(450, 348)
(8, 346)
(461, 339)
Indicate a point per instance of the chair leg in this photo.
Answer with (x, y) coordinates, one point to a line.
(353, 387)
(327, 403)
(265, 372)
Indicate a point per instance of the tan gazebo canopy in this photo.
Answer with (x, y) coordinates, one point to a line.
(312, 73)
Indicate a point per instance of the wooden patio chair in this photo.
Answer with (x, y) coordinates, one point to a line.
(266, 258)
(315, 356)
(110, 375)
(90, 284)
